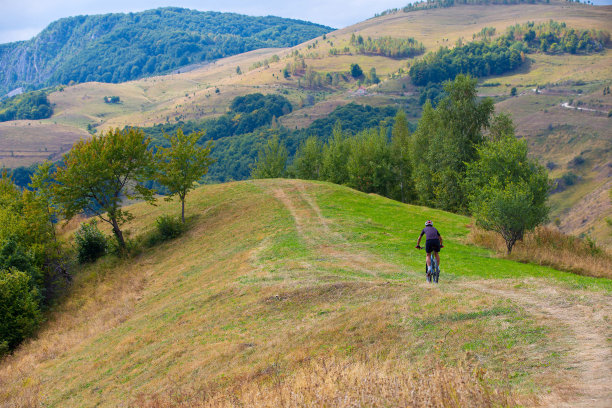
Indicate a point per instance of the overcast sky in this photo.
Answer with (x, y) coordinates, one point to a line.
(23, 19)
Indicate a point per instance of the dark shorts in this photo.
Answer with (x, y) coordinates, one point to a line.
(432, 245)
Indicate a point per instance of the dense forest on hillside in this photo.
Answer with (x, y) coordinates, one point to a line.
(496, 56)
(239, 133)
(120, 47)
(31, 105)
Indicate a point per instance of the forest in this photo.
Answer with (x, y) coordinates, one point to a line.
(120, 47)
(505, 53)
(30, 105)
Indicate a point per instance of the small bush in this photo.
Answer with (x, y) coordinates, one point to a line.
(577, 161)
(168, 227)
(91, 242)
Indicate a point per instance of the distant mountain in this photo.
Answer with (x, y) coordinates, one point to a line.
(120, 47)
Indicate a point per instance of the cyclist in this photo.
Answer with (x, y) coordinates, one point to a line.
(433, 243)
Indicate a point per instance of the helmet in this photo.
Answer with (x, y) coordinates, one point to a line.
(428, 223)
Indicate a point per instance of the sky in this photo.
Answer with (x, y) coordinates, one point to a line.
(23, 19)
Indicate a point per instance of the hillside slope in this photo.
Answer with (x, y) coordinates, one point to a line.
(291, 293)
(120, 47)
(559, 134)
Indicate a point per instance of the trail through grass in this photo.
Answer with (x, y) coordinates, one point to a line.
(291, 293)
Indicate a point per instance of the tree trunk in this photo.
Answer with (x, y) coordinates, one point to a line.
(119, 237)
(183, 210)
(509, 245)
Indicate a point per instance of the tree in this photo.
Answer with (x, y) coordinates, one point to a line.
(369, 162)
(271, 160)
(400, 158)
(507, 191)
(335, 155)
(19, 311)
(308, 158)
(99, 173)
(182, 164)
(446, 139)
(356, 71)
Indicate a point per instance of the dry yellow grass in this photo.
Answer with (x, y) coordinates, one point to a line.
(255, 302)
(548, 246)
(344, 383)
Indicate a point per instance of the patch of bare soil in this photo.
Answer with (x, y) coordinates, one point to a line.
(587, 340)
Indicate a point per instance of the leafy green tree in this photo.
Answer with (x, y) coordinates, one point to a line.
(501, 126)
(447, 139)
(99, 173)
(271, 160)
(400, 159)
(19, 311)
(182, 164)
(507, 190)
(369, 162)
(308, 159)
(356, 71)
(335, 156)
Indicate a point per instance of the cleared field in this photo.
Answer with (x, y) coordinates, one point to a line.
(25, 142)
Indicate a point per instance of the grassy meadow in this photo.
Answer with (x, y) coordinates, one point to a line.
(293, 293)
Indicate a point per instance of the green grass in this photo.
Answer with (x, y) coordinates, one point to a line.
(248, 287)
(391, 229)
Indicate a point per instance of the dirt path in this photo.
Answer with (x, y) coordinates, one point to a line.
(583, 315)
(318, 233)
(587, 338)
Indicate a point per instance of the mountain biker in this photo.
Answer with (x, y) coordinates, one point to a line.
(433, 243)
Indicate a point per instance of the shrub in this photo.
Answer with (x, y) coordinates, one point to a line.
(19, 311)
(91, 242)
(168, 227)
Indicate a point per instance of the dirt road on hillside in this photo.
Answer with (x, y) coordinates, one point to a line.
(588, 336)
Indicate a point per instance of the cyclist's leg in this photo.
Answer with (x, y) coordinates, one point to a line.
(428, 259)
(437, 258)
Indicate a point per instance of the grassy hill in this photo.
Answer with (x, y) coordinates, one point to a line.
(291, 293)
(557, 134)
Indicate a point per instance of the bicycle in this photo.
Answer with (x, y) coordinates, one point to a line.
(434, 275)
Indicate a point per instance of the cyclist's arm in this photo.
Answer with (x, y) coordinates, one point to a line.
(419, 240)
(440, 238)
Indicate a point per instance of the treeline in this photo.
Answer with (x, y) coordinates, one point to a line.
(479, 58)
(556, 37)
(120, 47)
(30, 105)
(235, 155)
(234, 152)
(449, 162)
(496, 56)
(432, 4)
(387, 46)
(246, 113)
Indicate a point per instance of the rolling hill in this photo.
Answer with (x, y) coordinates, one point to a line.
(291, 293)
(559, 105)
(121, 47)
